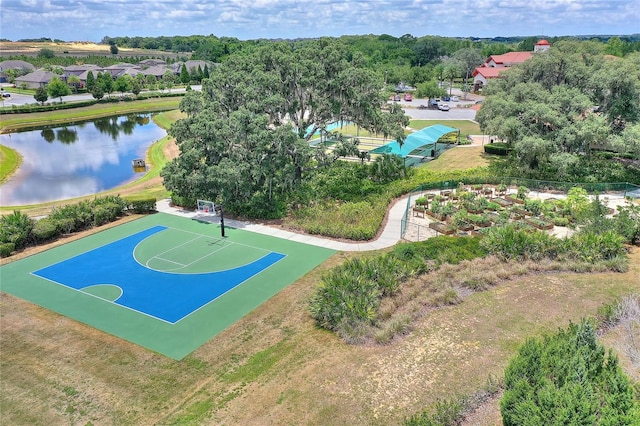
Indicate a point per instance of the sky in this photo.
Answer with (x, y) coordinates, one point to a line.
(91, 20)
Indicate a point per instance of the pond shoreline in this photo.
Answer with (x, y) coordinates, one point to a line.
(158, 153)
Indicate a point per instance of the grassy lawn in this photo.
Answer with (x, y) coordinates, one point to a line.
(10, 161)
(459, 158)
(11, 122)
(466, 127)
(276, 367)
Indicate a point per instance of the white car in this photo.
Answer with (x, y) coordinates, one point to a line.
(443, 107)
(455, 99)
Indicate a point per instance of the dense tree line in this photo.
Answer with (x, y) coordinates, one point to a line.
(556, 108)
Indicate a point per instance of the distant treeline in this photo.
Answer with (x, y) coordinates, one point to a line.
(408, 59)
(381, 49)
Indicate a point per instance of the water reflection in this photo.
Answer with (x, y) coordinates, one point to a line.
(74, 160)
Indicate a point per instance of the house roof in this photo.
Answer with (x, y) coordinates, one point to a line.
(38, 76)
(543, 42)
(488, 72)
(511, 58)
(16, 65)
(157, 70)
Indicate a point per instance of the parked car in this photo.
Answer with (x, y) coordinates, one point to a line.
(455, 99)
(6, 94)
(446, 98)
(444, 107)
(407, 97)
(396, 98)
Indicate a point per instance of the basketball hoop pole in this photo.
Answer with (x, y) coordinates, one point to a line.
(219, 208)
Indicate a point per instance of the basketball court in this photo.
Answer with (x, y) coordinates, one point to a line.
(164, 282)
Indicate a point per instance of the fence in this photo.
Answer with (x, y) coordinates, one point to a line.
(623, 189)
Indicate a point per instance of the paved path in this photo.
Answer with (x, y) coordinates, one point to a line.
(390, 234)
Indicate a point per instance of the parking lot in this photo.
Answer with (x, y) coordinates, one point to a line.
(460, 110)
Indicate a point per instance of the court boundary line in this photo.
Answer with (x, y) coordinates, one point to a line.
(118, 305)
(201, 235)
(112, 302)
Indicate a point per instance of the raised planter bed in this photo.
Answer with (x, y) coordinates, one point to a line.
(520, 211)
(419, 212)
(503, 202)
(436, 216)
(442, 228)
(514, 199)
(539, 223)
(465, 227)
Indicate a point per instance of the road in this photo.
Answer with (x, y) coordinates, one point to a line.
(19, 99)
(459, 110)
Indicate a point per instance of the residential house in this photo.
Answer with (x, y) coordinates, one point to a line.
(21, 67)
(33, 80)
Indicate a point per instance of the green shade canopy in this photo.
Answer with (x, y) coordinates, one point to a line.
(420, 139)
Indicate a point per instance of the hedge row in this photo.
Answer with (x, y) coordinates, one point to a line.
(19, 109)
(497, 148)
(18, 230)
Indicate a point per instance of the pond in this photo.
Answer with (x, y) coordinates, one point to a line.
(77, 159)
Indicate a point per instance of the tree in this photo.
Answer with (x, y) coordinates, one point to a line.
(245, 140)
(123, 84)
(97, 92)
(150, 82)
(41, 95)
(105, 82)
(74, 81)
(430, 90)
(91, 81)
(451, 71)
(57, 88)
(168, 78)
(468, 59)
(46, 53)
(184, 74)
(135, 86)
(113, 48)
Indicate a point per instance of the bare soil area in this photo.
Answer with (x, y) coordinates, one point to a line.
(76, 48)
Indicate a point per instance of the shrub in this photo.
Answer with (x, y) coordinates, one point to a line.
(141, 205)
(591, 246)
(186, 202)
(567, 378)
(6, 249)
(511, 242)
(45, 229)
(15, 228)
(497, 149)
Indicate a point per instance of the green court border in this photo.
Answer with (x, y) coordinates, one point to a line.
(172, 340)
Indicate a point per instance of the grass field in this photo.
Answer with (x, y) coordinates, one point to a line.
(11, 122)
(275, 367)
(10, 161)
(466, 127)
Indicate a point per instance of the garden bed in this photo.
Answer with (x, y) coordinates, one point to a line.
(539, 223)
(442, 228)
(503, 202)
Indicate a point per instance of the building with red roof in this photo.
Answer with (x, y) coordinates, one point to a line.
(496, 64)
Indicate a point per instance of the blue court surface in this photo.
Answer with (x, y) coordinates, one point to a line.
(168, 296)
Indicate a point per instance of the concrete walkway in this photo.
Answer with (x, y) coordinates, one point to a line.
(390, 234)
